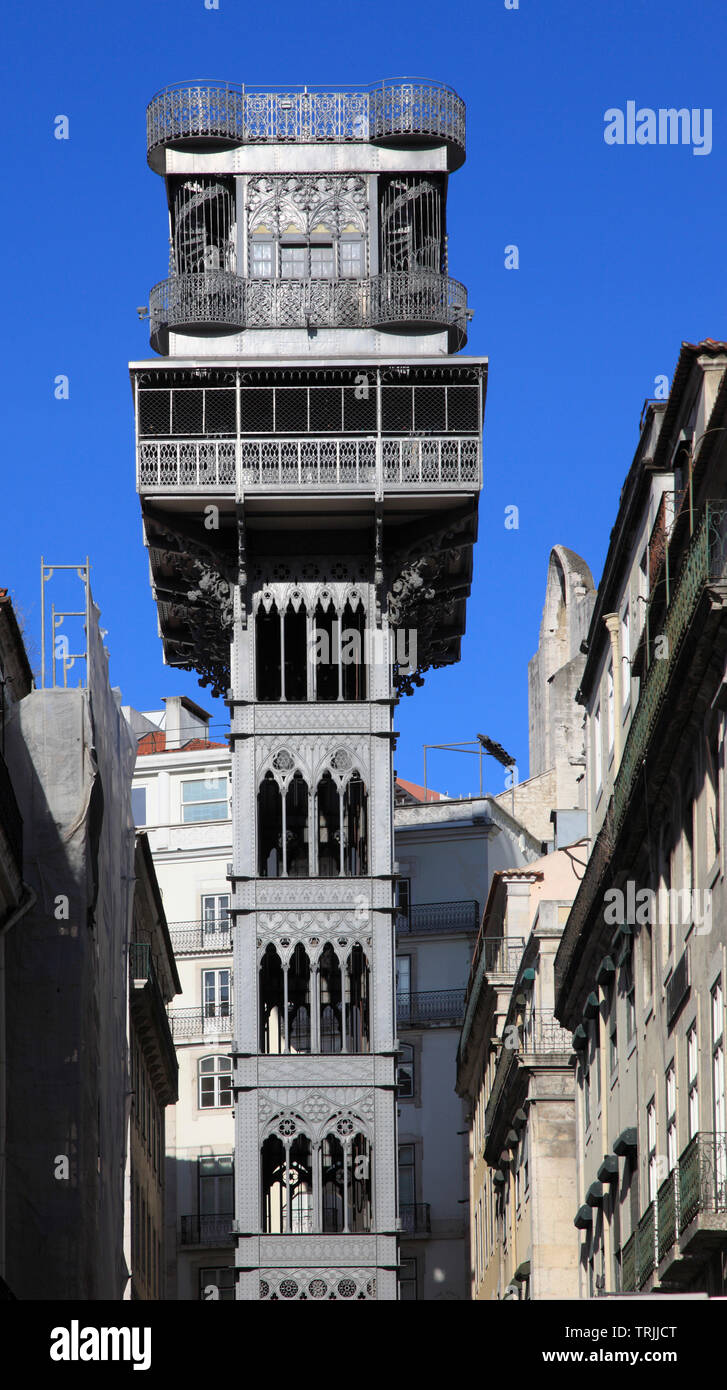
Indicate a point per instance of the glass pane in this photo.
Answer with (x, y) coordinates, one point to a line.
(138, 805)
(213, 810)
(207, 789)
(321, 261)
(294, 262)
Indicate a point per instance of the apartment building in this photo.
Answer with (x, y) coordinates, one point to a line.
(640, 972)
(181, 796)
(515, 1067)
(446, 855)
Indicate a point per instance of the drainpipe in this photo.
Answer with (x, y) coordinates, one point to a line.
(28, 900)
(613, 623)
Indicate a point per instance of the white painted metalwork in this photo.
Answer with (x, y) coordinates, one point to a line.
(415, 109)
(436, 461)
(221, 300)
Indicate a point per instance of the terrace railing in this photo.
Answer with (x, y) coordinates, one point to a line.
(200, 937)
(423, 918)
(405, 110)
(430, 1007)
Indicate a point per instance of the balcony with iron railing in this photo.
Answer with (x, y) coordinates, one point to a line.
(443, 1007)
(208, 937)
(703, 1192)
(219, 301)
(703, 564)
(415, 1218)
(542, 1034)
(207, 1230)
(428, 918)
(208, 114)
(210, 1021)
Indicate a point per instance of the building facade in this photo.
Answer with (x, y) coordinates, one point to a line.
(640, 972)
(153, 983)
(308, 461)
(182, 796)
(442, 847)
(66, 1061)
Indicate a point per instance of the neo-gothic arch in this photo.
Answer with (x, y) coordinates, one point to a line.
(346, 1125)
(314, 946)
(343, 764)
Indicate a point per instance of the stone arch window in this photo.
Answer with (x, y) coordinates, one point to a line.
(316, 1185)
(342, 813)
(287, 1180)
(283, 815)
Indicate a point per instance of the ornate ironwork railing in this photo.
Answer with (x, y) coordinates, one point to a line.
(207, 1230)
(200, 1022)
(628, 1265)
(430, 1006)
(12, 821)
(221, 300)
(439, 917)
(703, 1177)
(667, 512)
(542, 1032)
(705, 559)
(646, 1245)
(415, 1218)
(435, 461)
(208, 110)
(198, 937)
(667, 1206)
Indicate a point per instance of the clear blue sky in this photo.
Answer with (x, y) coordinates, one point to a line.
(621, 258)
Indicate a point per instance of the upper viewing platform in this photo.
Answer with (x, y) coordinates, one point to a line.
(403, 112)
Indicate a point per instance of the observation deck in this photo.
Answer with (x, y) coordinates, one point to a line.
(206, 114)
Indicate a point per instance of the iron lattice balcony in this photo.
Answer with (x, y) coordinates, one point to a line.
(415, 1218)
(443, 1006)
(319, 463)
(410, 111)
(542, 1033)
(200, 1022)
(423, 918)
(207, 1230)
(200, 938)
(218, 301)
(703, 1182)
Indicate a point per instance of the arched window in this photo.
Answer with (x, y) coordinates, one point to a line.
(333, 1182)
(270, 828)
(287, 1183)
(353, 653)
(359, 1184)
(327, 652)
(331, 1020)
(296, 828)
(215, 1082)
(285, 1005)
(329, 827)
(267, 653)
(357, 1001)
(283, 826)
(299, 1017)
(354, 815)
(342, 821)
(272, 996)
